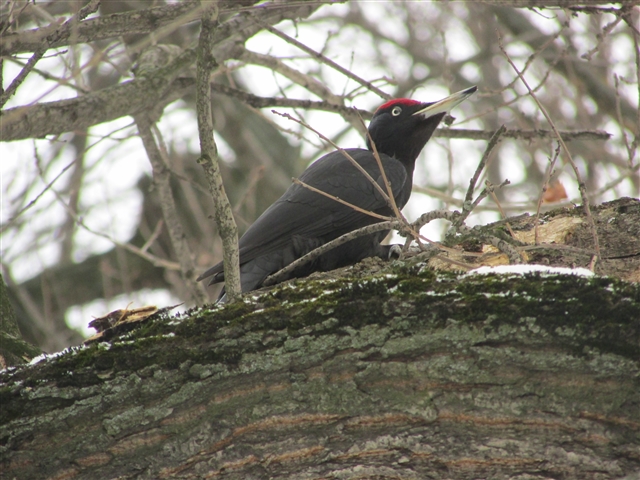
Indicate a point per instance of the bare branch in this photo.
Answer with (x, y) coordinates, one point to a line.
(545, 184)
(605, 32)
(522, 134)
(209, 157)
(11, 89)
(153, 237)
(425, 218)
(581, 184)
(304, 80)
(327, 106)
(37, 197)
(341, 150)
(80, 113)
(328, 61)
(266, 102)
(88, 9)
(390, 197)
(467, 205)
(312, 255)
(161, 179)
(134, 22)
(282, 274)
(601, 93)
(129, 98)
(544, 3)
(339, 200)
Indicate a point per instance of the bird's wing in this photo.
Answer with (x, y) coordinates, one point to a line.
(302, 212)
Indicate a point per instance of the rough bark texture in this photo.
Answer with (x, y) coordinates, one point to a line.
(385, 371)
(210, 160)
(565, 239)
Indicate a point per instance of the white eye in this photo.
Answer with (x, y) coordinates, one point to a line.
(396, 111)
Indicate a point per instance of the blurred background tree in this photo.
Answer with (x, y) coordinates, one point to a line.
(82, 225)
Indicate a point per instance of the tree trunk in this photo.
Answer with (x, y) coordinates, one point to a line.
(384, 371)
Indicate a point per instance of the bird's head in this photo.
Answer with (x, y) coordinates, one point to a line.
(401, 128)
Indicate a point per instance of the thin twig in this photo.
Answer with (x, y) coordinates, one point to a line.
(325, 106)
(495, 139)
(376, 155)
(312, 255)
(468, 205)
(162, 179)
(266, 102)
(154, 236)
(40, 51)
(581, 185)
(545, 184)
(500, 244)
(341, 150)
(11, 89)
(47, 76)
(367, 230)
(523, 134)
(339, 200)
(428, 217)
(602, 36)
(154, 260)
(305, 80)
(35, 200)
(319, 56)
(491, 191)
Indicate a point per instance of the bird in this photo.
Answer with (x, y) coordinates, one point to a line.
(302, 220)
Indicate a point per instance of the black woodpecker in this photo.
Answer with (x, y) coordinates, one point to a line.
(302, 220)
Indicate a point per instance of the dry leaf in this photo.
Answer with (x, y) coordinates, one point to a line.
(554, 193)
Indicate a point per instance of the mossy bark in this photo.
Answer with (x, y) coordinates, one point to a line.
(401, 374)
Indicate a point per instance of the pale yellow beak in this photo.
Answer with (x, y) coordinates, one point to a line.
(446, 104)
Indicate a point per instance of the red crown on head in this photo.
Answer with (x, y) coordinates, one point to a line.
(398, 101)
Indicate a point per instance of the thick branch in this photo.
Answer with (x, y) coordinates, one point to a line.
(403, 374)
(135, 22)
(81, 113)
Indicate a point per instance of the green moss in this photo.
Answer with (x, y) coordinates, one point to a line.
(582, 313)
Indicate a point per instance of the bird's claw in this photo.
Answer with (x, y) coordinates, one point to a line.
(395, 252)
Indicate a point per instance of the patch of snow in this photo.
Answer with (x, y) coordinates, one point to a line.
(524, 269)
(49, 356)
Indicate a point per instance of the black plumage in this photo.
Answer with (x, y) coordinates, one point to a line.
(302, 220)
